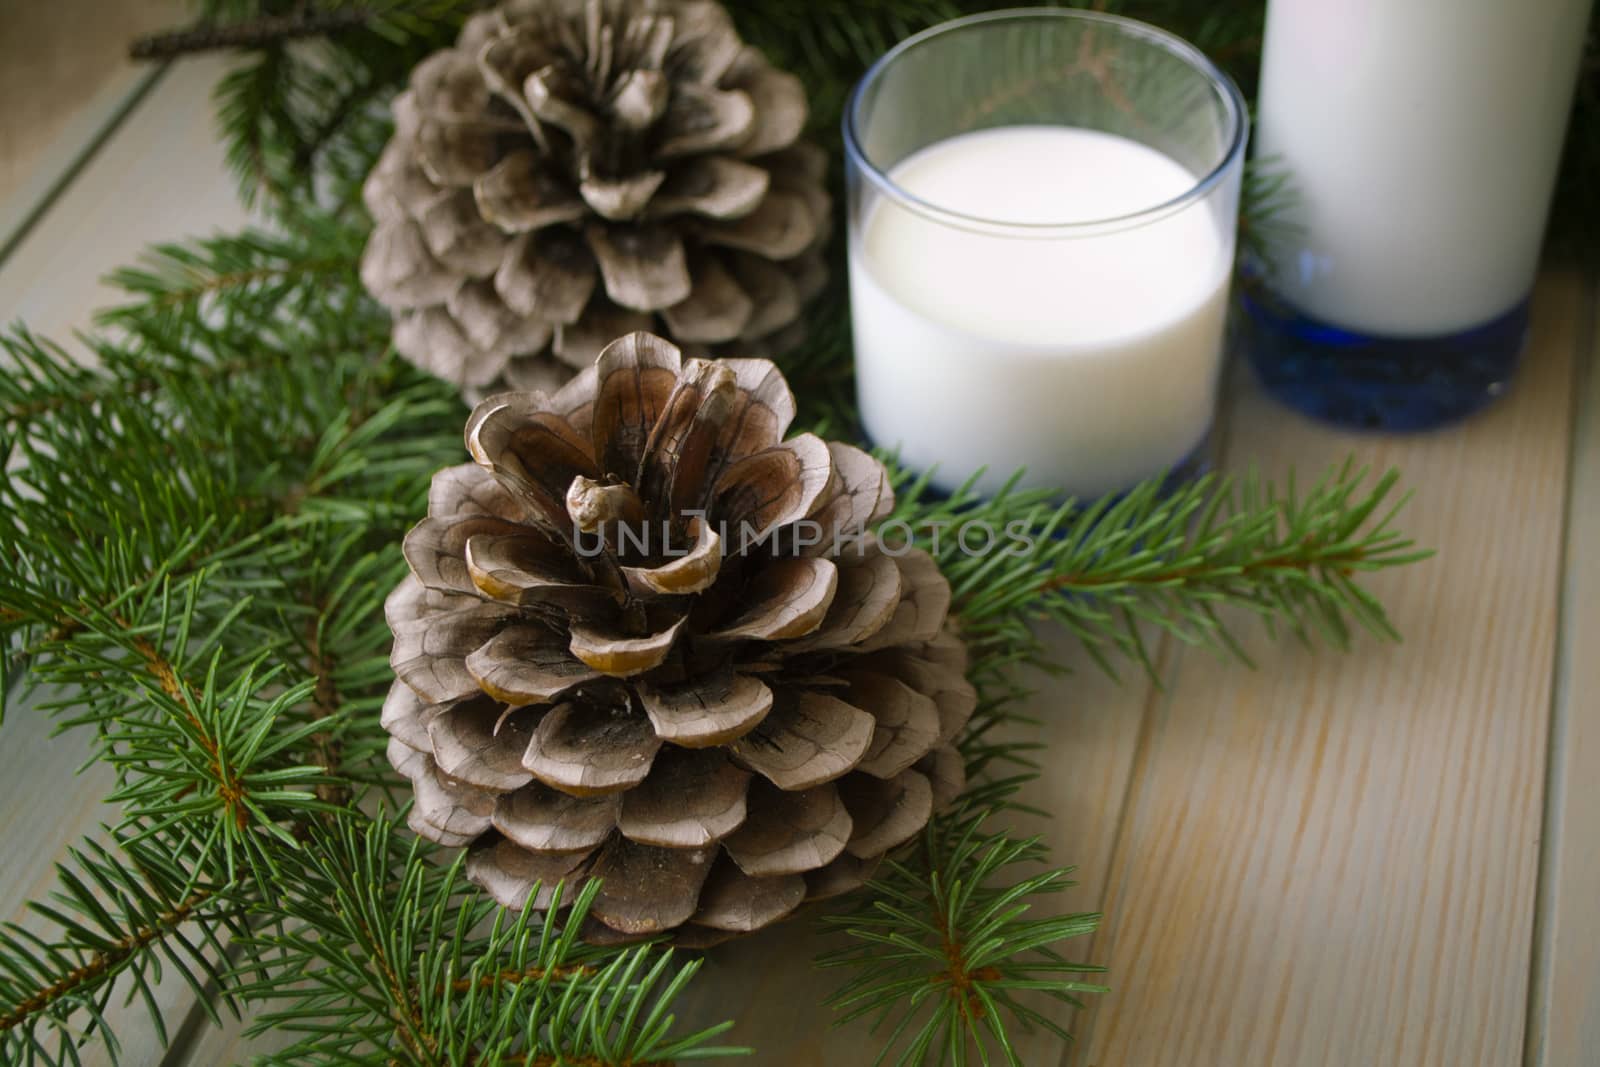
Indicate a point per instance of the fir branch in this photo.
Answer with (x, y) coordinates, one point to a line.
(121, 910)
(100, 385)
(943, 944)
(258, 123)
(220, 761)
(546, 1059)
(945, 948)
(182, 697)
(203, 288)
(1170, 557)
(528, 974)
(103, 961)
(382, 955)
(264, 266)
(294, 118)
(1268, 224)
(345, 108)
(77, 617)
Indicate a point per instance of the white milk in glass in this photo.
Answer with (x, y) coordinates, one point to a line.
(1422, 138)
(1089, 359)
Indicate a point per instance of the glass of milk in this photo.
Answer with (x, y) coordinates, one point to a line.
(1042, 217)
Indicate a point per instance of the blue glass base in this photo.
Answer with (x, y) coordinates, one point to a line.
(1190, 468)
(1373, 382)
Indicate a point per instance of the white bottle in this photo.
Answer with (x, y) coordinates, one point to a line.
(1422, 140)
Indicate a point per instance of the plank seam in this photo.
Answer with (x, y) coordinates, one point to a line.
(1536, 1015)
(32, 216)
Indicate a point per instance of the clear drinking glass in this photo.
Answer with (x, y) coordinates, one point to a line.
(1042, 215)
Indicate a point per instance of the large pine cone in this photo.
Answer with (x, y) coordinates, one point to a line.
(647, 639)
(637, 144)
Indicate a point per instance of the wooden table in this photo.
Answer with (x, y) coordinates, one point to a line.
(1385, 858)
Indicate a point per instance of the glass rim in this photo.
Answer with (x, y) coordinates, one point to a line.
(1232, 99)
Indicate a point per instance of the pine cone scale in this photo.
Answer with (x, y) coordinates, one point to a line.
(550, 271)
(622, 657)
(643, 267)
(473, 745)
(710, 713)
(646, 890)
(734, 902)
(590, 751)
(885, 813)
(716, 309)
(791, 832)
(806, 741)
(716, 187)
(541, 819)
(619, 200)
(522, 665)
(637, 378)
(519, 197)
(692, 798)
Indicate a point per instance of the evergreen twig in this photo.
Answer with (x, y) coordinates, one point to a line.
(103, 961)
(946, 960)
(122, 910)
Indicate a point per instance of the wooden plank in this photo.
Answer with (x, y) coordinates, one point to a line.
(38, 810)
(158, 177)
(29, 195)
(1564, 1009)
(1331, 861)
(63, 71)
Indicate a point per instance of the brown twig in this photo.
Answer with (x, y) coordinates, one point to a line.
(326, 749)
(1342, 561)
(235, 279)
(251, 33)
(544, 1059)
(959, 980)
(532, 974)
(166, 675)
(103, 960)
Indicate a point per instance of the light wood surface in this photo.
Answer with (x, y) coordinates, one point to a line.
(160, 177)
(64, 73)
(1332, 861)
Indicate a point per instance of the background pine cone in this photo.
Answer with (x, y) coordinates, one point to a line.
(574, 170)
(605, 668)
